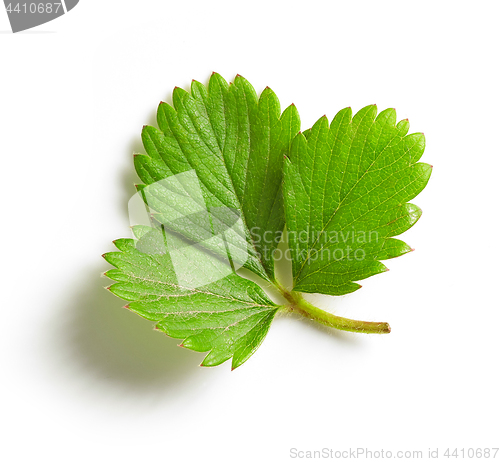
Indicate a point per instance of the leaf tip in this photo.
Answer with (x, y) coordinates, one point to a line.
(412, 249)
(127, 307)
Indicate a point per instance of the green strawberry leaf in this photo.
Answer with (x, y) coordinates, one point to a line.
(347, 187)
(235, 143)
(221, 174)
(229, 317)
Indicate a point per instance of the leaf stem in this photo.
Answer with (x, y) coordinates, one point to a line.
(301, 306)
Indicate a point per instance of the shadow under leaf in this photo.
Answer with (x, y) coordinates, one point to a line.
(116, 345)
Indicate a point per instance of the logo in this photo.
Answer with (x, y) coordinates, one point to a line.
(204, 240)
(26, 15)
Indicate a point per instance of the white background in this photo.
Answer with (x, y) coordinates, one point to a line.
(84, 379)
